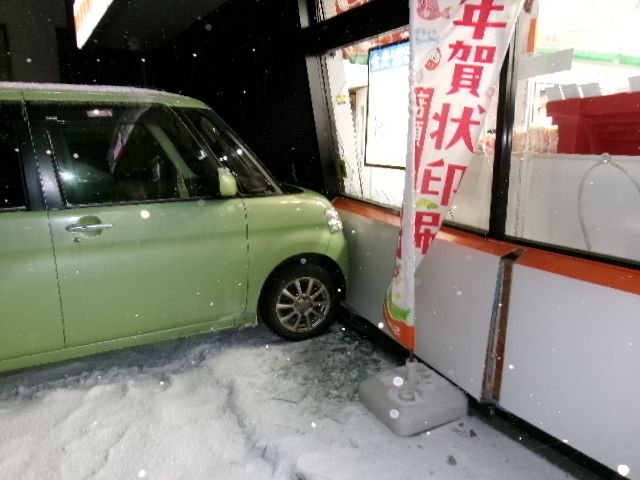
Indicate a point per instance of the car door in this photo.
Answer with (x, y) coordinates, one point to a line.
(143, 242)
(30, 317)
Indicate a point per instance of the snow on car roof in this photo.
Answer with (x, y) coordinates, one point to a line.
(122, 91)
(81, 88)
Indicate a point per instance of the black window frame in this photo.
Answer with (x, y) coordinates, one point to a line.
(13, 110)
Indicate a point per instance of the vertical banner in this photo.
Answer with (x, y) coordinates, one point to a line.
(457, 50)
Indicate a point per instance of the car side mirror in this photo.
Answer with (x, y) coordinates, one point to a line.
(227, 182)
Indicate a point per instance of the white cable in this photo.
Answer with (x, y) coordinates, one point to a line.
(604, 160)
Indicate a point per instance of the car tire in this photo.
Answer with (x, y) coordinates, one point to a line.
(300, 302)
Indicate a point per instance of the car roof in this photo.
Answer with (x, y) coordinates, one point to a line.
(92, 93)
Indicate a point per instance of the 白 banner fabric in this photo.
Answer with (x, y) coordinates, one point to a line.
(457, 49)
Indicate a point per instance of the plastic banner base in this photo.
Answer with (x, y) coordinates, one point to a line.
(412, 399)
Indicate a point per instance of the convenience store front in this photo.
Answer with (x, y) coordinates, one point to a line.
(529, 299)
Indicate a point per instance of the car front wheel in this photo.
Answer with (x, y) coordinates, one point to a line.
(300, 302)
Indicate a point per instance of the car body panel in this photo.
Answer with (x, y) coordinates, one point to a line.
(30, 318)
(161, 266)
(11, 95)
(338, 251)
(283, 227)
(93, 348)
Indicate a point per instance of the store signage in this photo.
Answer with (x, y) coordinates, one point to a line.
(457, 49)
(86, 15)
(388, 100)
(391, 57)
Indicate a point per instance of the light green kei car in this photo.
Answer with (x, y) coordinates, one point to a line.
(129, 216)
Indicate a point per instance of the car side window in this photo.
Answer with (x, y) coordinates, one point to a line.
(12, 191)
(124, 153)
(231, 154)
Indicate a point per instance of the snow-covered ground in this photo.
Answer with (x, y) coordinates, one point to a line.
(233, 405)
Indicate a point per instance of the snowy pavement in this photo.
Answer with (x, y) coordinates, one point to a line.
(235, 404)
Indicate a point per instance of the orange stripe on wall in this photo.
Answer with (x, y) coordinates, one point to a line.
(619, 278)
(492, 247)
(452, 235)
(591, 271)
(367, 210)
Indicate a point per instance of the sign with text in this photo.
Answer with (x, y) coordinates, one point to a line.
(457, 49)
(86, 16)
(388, 100)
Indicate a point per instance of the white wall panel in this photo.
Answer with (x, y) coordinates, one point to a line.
(572, 364)
(572, 359)
(372, 250)
(454, 304)
(454, 298)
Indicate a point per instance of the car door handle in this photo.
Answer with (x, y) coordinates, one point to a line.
(88, 228)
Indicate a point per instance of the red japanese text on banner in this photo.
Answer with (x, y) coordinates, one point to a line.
(457, 49)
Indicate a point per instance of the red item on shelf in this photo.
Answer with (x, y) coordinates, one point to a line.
(596, 125)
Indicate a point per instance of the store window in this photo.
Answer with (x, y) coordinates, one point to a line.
(369, 91)
(371, 114)
(575, 166)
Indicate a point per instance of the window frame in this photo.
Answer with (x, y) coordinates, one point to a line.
(20, 137)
